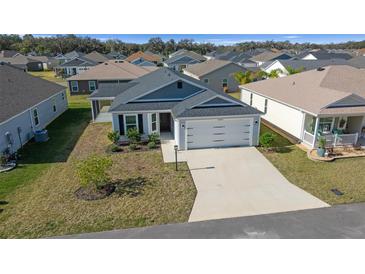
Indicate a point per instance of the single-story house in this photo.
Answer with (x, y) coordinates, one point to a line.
(328, 102)
(140, 56)
(218, 74)
(267, 56)
(79, 63)
(23, 62)
(48, 63)
(182, 58)
(302, 65)
(113, 71)
(9, 53)
(180, 108)
(322, 55)
(63, 58)
(27, 104)
(240, 58)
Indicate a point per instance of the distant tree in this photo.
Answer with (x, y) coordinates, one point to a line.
(291, 70)
(243, 77)
(156, 45)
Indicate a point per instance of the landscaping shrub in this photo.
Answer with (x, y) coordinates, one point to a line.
(133, 135)
(132, 146)
(3, 160)
(267, 139)
(113, 136)
(151, 145)
(154, 137)
(93, 171)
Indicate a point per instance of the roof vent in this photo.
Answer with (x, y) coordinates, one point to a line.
(320, 69)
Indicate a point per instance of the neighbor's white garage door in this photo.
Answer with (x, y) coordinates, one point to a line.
(219, 132)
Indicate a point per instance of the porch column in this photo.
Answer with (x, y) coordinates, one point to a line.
(315, 132)
(92, 110)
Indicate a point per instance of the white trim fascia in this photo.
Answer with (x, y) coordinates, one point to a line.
(218, 117)
(221, 97)
(100, 98)
(16, 115)
(278, 101)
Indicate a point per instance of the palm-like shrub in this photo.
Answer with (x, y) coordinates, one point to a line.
(267, 139)
(113, 137)
(133, 135)
(93, 171)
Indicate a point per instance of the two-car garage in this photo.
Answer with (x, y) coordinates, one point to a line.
(221, 132)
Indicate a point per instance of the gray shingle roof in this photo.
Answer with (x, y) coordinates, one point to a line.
(20, 91)
(188, 54)
(307, 64)
(125, 101)
(111, 89)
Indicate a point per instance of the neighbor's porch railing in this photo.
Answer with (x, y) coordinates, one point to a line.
(341, 139)
(333, 139)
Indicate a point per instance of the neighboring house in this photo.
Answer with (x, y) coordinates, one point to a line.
(267, 56)
(48, 63)
(116, 55)
(74, 67)
(139, 57)
(328, 102)
(182, 58)
(181, 108)
(217, 74)
(23, 62)
(63, 58)
(76, 62)
(113, 71)
(240, 58)
(302, 65)
(8, 53)
(323, 55)
(357, 62)
(27, 104)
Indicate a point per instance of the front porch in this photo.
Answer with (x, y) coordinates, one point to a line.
(336, 130)
(100, 111)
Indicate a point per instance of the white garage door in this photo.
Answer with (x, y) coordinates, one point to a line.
(219, 132)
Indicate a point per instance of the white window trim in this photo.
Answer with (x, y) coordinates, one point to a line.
(77, 86)
(157, 122)
(125, 122)
(93, 81)
(33, 117)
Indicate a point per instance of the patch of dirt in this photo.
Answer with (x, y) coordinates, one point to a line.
(91, 193)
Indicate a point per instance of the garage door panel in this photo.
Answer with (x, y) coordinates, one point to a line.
(219, 133)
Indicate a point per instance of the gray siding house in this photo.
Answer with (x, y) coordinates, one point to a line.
(27, 104)
(181, 109)
(217, 74)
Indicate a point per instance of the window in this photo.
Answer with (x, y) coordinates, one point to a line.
(130, 122)
(54, 106)
(265, 107)
(325, 125)
(179, 84)
(206, 80)
(153, 122)
(251, 99)
(92, 85)
(63, 95)
(74, 86)
(342, 123)
(224, 83)
(35, 117)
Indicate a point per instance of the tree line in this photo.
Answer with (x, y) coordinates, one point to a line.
(65, 43)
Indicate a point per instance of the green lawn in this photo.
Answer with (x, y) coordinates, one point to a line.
(318, 178)
(37, 158)
(40, 192)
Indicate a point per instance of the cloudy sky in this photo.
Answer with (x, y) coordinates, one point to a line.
(229, 39)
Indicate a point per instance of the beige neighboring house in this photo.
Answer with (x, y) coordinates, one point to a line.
(328, 102)
(218, 74)
(112, 71)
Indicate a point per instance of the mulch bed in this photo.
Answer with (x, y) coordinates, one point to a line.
(124, 148)
(91, 194)
(131, 187)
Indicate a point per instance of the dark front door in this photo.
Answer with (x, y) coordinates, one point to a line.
(165, 122)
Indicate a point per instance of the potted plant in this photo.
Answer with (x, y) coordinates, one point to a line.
(321, 147)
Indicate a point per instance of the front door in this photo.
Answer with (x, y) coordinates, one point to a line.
(165, 122)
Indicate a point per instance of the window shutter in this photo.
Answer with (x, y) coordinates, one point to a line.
(140, 123)
(121, 125)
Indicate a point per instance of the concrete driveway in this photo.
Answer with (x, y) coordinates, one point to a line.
(233, 182)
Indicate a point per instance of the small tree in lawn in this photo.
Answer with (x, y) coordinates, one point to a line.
(267, 139)
(113, 137)
(93, 171)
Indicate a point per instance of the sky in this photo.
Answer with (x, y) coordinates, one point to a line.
(229, 39)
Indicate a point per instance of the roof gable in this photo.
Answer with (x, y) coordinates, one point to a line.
(349, 101)
(217, 101)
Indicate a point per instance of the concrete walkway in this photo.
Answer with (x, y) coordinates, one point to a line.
(343, 221)
(233, 182)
